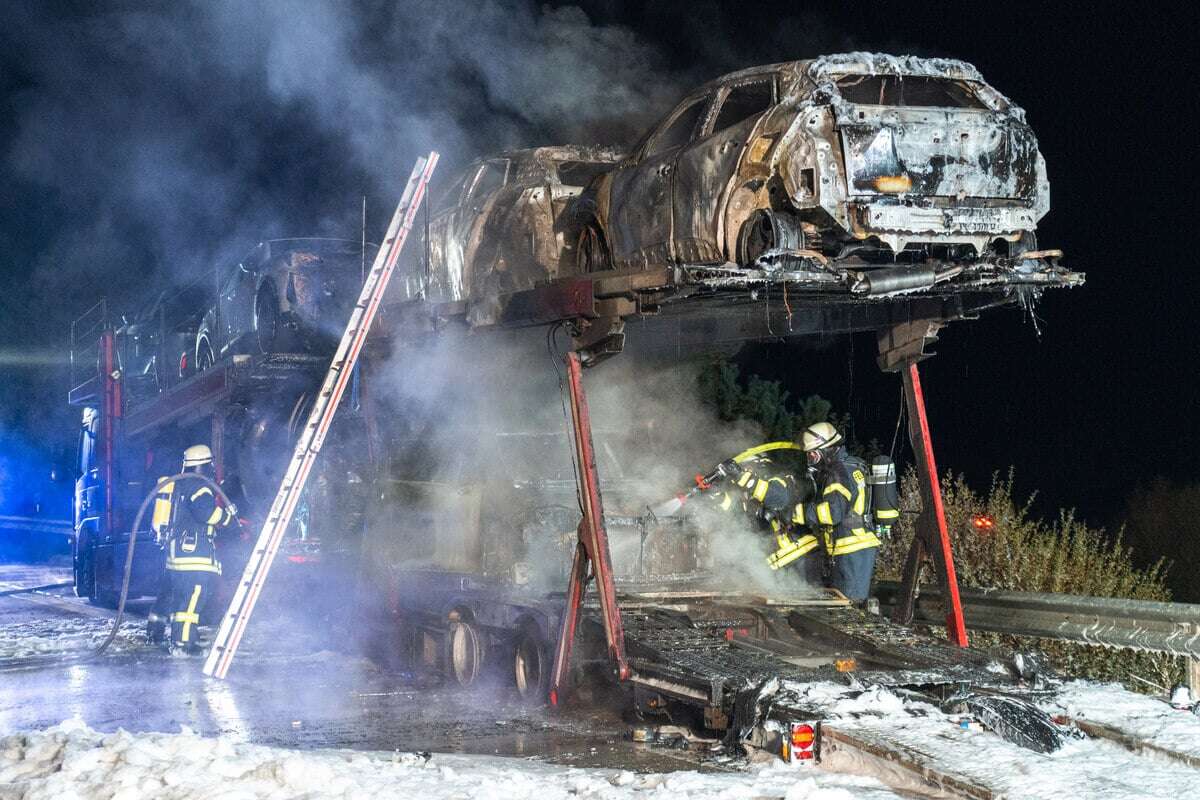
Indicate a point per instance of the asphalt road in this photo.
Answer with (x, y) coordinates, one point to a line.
(288, 687)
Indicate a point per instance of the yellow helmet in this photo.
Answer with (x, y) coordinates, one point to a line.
(197, 456)
(820, 436)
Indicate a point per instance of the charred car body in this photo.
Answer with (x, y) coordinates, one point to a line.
(285, 296)
(855, 178)
(854, 160)
(503, 224)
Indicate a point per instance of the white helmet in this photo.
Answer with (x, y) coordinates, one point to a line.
(820, 436)
(197, 456)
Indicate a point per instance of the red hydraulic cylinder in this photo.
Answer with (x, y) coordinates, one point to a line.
(933, 527)
(591, 549)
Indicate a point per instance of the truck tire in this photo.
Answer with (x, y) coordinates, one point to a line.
(532, 666)
(85, 574)
(105, 598)
(465, 652)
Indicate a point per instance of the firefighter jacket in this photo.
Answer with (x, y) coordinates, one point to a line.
(761, 486)
(191, 546)
(839, 511)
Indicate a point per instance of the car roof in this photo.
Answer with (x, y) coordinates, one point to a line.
(860, 63)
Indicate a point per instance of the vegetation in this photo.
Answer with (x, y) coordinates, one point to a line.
(1025, 554)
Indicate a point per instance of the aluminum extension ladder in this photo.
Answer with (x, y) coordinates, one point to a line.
(233, 625)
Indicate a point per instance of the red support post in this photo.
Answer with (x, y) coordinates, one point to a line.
(111, 410)
(932, 531)
(591, 549)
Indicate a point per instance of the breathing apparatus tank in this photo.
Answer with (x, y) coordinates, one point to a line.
(885, 498)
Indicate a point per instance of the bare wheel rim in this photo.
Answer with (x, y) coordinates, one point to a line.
(528, 662)
(464, 653)
(591, 250)
(757, 238)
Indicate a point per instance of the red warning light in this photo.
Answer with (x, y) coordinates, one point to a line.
(983, 522)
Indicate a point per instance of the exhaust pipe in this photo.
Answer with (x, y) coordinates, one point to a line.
(891, 280)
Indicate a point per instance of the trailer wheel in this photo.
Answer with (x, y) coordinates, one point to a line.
(465, 653)
(531, 666)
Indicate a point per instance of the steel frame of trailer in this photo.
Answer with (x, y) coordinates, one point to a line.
(901, 347)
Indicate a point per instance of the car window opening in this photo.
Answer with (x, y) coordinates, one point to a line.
(580, 173)
(679, 132)
(743, 102)
(491, 178)
(908, 90)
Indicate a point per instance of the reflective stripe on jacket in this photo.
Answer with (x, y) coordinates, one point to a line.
(840, 510)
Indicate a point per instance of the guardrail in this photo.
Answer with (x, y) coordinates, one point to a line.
(36, 525)
(1146, 625)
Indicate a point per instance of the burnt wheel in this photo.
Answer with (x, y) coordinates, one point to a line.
(268, 326)
(531, 666)
(204, 355)
(768, 231)
(591, 250)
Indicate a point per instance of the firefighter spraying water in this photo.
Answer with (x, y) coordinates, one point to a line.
(827, 520)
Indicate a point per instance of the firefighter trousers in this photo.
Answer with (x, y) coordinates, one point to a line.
(852, 573)
(190, 592)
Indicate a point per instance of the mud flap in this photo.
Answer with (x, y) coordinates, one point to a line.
(748, 712)
(1016, 721)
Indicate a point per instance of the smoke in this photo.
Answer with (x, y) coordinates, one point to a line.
(482, 475)
(171, 138)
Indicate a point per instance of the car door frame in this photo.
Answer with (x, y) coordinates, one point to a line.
(700, 193)
(440, 236)
(627, 240)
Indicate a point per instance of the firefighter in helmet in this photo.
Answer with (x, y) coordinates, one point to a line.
(839, 516)
(192, 566)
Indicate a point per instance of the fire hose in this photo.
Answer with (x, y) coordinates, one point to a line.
(36, 662)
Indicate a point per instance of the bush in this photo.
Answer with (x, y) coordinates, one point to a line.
(1022, 553)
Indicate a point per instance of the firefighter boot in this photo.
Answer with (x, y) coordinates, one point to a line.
(156, 628)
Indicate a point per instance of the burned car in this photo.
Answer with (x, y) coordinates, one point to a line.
(285, 296)
(154, 346)
(857, 160)
(503, 224)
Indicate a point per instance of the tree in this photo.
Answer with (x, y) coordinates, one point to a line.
(759, 400)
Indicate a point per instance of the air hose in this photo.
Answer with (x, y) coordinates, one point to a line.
(36, 662)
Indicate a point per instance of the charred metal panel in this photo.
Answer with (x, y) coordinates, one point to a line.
(563, 300)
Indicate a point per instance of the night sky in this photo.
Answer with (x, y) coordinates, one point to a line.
(140, 143)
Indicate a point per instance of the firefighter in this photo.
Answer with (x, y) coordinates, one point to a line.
(839, 512)
(755, 485)
(192, 565)
(759, 487)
